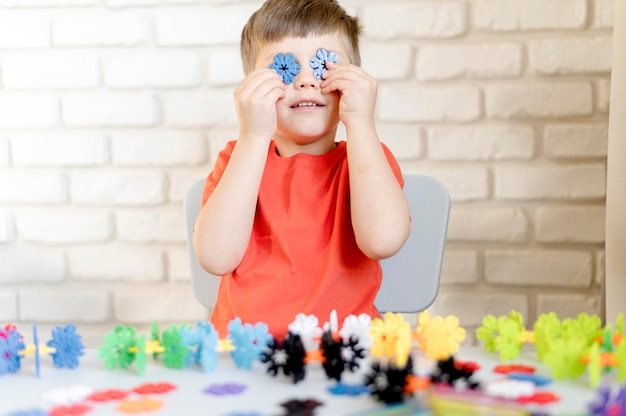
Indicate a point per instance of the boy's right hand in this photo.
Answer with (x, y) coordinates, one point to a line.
(255, 102)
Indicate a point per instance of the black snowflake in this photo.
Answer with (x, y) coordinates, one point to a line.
(339, 355)
(288, 357)
(387, 381)
(449, 372)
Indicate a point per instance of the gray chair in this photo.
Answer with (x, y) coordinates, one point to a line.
(410, 278)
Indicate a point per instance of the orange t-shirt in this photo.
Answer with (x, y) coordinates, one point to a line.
(302, 255)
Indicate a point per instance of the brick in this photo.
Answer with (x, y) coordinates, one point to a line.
(109, 109)
(200, 109)
(515, 15)
(59, 149)
(160, 70)
(29, 110)
(117, 262)
(539, 100)
(432, 20)
(459, 267)
(8, 305)
(582, 181)
(162, 304)
(576, 140)
(376, 58)
(178, 265)
(603, 14)
(165, 148)
(560, 268)
(64, 304)
(117, 187)
(165, 225)
(225, 66)
(462, 183)
(481, 143)
(603, 95)
(469, 223)
(58, 70)
(7, 232)
(21, 32)
(600, 268)
(4, 152)
(180, 181)
(480, 61)
(63, 225)
(470, 308)
(406, 141)
(101, 29)
(47, 3)
(570, 224)
(562, 56)
(410, 103)
(214, 26)
(31, 264)
(130, 3)
(568, 305)
(32, 186)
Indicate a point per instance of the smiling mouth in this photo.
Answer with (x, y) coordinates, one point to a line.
(307, 104)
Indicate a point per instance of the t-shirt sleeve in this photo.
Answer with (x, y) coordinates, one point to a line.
(218, 170)
(393, 163)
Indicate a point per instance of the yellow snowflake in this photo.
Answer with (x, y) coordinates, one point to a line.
(439, 337)
(391, 338)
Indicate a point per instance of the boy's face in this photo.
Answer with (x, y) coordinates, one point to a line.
(306, 124)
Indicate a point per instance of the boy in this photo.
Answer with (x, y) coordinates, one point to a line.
(292, 220)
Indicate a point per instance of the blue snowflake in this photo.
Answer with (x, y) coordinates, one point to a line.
(348, 389)
(29, 412)
(68, 346)
(193, 339)
(249, 341)
(10, 346)
(286, 67)
(318, 63)
(209, 353)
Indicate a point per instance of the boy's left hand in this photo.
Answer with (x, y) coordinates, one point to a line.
(357, 91)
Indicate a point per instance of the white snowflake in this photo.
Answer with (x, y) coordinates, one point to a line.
(358, 326)
(509, 389)
(307, 326)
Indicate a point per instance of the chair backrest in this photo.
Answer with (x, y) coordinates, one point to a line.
(410, 278)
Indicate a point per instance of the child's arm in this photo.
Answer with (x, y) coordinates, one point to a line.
(380, 212)
(224, 225)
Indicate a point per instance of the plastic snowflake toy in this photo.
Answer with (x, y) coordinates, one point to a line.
(387, 381)
(249, 341)
(286, 67)
(318, 63)
(339, 355)
(288, 357)
(68, 345)
(10, 346)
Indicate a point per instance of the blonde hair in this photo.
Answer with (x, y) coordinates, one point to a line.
(277, 19)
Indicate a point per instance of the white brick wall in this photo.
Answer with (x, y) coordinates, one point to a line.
(110, 109)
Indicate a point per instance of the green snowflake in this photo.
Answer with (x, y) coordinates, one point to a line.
(546, 328)
(502, 334)
(176, 351)
(116, 350)
(564, 357)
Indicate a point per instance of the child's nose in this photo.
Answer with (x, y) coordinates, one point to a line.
(306, 79)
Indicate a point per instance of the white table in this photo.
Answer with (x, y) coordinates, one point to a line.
(263, 395)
